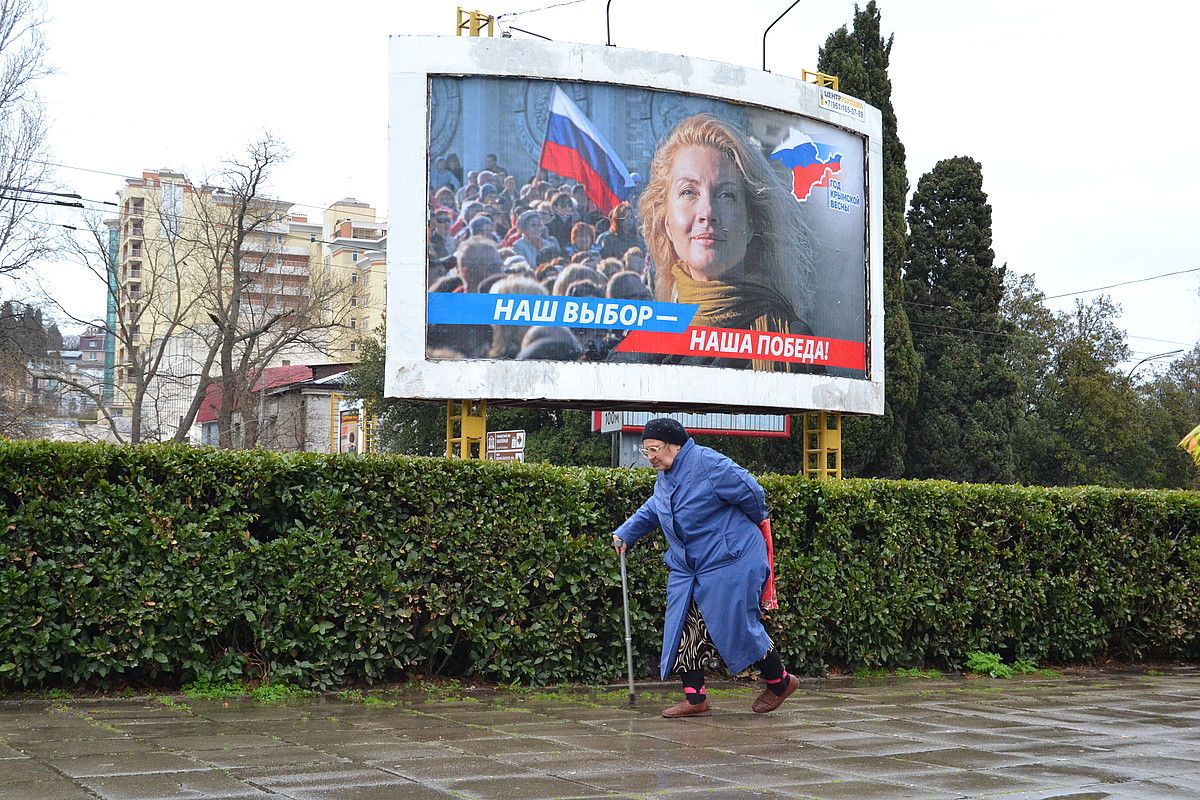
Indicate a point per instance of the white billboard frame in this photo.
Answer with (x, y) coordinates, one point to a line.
(414, 60)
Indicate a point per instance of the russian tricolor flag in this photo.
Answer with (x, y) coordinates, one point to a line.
(575, 149)
(811, 163)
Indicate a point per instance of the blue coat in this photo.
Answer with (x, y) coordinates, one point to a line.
(709, 509)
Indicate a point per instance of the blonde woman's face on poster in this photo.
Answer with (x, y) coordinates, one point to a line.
(707, 219)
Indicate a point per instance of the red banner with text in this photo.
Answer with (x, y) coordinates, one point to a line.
(750, 345)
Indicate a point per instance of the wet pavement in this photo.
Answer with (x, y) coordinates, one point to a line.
(1085, 736)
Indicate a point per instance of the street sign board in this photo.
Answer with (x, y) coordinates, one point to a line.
(611, 421)
(765, 425)
(505, 446)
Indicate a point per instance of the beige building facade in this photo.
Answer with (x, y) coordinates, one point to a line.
(173, 286)
(355, 242)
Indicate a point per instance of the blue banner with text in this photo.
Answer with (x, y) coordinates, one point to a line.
(446, 308)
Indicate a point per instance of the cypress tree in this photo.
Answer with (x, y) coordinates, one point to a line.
(859, 58)
(968, 399)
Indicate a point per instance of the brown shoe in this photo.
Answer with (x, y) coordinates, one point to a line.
(768, 701)
(685, 709)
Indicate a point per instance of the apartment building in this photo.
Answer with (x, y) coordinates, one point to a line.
(173, 290)
(355, 243)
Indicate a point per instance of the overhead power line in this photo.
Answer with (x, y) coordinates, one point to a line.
(123, 176)
(512, 14)
(30, 200)
(1065, 294)
(952, 309)
(531, 33)
(917, 329)
(976, 330)
(933, 335)
(1163, 341)
(21, 190)
(1124, 283)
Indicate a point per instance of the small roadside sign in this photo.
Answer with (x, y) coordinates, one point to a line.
(505, 446)
(611, 421)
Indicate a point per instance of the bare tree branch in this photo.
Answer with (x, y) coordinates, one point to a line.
(23, 166)
(208, 290)
(264, 299)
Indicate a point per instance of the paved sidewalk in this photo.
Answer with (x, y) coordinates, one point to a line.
(1084, 736)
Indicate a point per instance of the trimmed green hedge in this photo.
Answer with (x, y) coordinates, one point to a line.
(170, 564)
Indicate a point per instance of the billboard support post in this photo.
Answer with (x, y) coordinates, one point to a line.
(820, 79)
(823, 445)
(470, 423)
(334, 429)
(473, 23)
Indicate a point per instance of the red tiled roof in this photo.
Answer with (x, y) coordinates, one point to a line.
(272, 377)
(210, 405)
(282, 376)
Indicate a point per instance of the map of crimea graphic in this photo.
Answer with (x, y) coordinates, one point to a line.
(812, 163)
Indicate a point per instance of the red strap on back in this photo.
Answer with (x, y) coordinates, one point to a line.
(768, 602)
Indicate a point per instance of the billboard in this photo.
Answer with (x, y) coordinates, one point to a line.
(600, 227)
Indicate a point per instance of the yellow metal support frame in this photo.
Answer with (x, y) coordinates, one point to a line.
(368, 437)
(820, 79)
(822, 445)
(335, 423)
(466, 428)
(473, 23)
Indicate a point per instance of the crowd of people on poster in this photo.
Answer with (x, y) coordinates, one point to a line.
(709, 260)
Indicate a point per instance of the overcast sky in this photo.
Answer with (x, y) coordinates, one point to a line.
(1081, 114)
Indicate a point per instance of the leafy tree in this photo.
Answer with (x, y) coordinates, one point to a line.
(24, 349)
(1030, 354)
(54, 337)
(968, 398)
(1081, 420)
(1095, 429)
(1171, 408)
(859, 57)
(404, 426)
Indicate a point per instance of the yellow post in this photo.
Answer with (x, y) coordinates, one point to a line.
(822, 445)
(335, 423)
(473, 21)
(368, 438)
(820, 79)
(471, 423)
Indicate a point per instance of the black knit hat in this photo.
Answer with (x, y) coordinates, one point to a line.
(665, 430)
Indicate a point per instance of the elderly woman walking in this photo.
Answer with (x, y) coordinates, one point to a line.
(714, 516)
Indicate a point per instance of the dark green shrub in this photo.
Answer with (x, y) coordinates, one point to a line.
(173, 565)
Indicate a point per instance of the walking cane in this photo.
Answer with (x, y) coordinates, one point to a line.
(628, 634)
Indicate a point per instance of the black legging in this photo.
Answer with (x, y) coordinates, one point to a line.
(769, 666)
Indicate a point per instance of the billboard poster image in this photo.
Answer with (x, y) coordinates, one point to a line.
(597, 227)
(711, 260)
(348, 432)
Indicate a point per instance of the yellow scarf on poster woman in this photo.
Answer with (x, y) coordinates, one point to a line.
(751, 304)
(727, 305)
